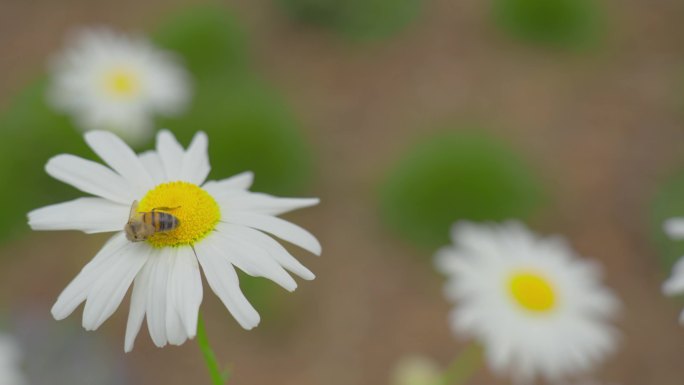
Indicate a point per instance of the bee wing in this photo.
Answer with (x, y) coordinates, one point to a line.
(134, 210)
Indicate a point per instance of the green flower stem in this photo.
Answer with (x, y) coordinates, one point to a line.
(217, 378)
(464, 366)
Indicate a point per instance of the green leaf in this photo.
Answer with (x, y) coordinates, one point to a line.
(456, 176)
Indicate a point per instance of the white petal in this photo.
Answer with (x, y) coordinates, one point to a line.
(241, 181)
(280, 228)
(195, 166)
(188, 286)
(171, 154)
(136, 314)
(154, 166)
(274, 249)
(90, 215)
(106, 294)
(78, 289)
(223, 280)
(266, 204)
(174, 327)
(90, 177)
(252, 259)
(674, 228)
(156, 298)
(121, 158)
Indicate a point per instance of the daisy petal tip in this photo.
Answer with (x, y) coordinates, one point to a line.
(58, 314)
(291, 287)
(200, 135)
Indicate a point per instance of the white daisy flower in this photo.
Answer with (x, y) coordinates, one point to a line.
(537, 309)
(674, 285)
(220, 225)
(10, 362)
(110, 81)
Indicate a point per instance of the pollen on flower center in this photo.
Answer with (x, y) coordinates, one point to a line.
(121, 83)
(196, 210)
(532, 292)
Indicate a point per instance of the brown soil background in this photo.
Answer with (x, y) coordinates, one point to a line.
(603, 127)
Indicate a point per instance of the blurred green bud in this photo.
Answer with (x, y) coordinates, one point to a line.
(551, 22)
(456, 176)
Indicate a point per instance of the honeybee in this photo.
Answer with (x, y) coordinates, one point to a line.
(142, 225)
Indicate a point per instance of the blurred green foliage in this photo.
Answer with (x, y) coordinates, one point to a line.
(31, 134)
(356, 19)
(249, 129)
(668, 203)
(566, 23)
(208, 38)
(456, 176)
(249, 125)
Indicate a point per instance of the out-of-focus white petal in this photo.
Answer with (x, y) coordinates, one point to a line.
(171, 154)
(90, 177)
(223, 280)
(675, 284)
(195, 167)
(121, 159)
(90, 215)
(280, 228)
(107, 292)
(674, 228)
(78, 289)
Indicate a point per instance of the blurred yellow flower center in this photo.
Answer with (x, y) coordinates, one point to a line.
(197, 212)
(121, 83)
(532, 292)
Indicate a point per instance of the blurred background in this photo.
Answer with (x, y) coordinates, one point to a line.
(403, 116)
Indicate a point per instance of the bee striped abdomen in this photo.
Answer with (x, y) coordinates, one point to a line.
(161, 221)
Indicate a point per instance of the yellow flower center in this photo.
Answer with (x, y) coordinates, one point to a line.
(197, 212)
(532, 292)
(121, 83)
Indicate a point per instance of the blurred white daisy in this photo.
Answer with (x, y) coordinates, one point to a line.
(416, 370)
(10, 362)
(675, 284)
(111, 81)
(535, 306)
(222, 225)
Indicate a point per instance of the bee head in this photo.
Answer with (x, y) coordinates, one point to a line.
(133, 232)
